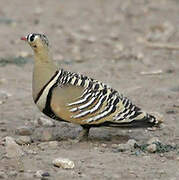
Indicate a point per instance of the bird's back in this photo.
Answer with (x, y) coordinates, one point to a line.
(82, 100)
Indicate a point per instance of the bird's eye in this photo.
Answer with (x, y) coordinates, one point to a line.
(31, 38)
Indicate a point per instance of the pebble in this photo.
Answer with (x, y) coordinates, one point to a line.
(131, 143)
(118, 48)
(45, 122)
(151, 148)
(23, 54)
(104, 145)
(4, 96)
(91, 39)
(3, 175)
(171, 111)
(46, 145)
(114, 146)
(43, 145)
(30, 151)
(64, 163)
(178, 158)
(38, 174)
(114, 35)
(123, 147)
(45, 174)
(23, 140)
(153, 140)
(13, 173)
(45, 134)
(12, 148)
(24, 130)
(53, 144)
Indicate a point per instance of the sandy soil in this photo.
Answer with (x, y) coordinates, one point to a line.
(112, 41)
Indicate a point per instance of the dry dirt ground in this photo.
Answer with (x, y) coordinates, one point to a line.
(131, 45)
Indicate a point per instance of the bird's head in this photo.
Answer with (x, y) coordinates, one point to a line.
(38, 42)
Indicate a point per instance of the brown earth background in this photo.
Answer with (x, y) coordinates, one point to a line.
(132, 45)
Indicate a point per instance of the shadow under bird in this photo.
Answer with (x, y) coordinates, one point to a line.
(71, 97)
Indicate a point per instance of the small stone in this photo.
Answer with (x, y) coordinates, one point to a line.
(45, 134)
(4, 96)
(123, 147)
(153, 140)
(171, 111)
(162, 126)
(140, 56)
(114, 35)
(162, 171)
(45, 122)
(23, 140)
(91, 39)
(118, 48)
(64, 163)
(12, 148)
(30, 151)
(43, 145)
(24, 130)
(53, 144)
(45, 174)
(152, 148)
(152, 128)
(13, 173)
(131, 143)
(104, 145)
(39, 173)
(23, 54)
(114, 146)
(3, 175)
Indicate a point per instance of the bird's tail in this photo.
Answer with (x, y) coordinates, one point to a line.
(143, 120)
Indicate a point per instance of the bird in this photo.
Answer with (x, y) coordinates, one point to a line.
(76, 98)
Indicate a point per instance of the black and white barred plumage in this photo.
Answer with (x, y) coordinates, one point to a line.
(99, 101)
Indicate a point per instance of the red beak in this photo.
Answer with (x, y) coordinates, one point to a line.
(24, 38)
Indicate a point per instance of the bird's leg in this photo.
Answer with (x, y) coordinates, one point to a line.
(83, 135)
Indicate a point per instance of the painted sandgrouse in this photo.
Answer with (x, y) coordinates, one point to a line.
(76, 98)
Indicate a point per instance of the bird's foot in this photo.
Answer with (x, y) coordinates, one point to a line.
(83, 136)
